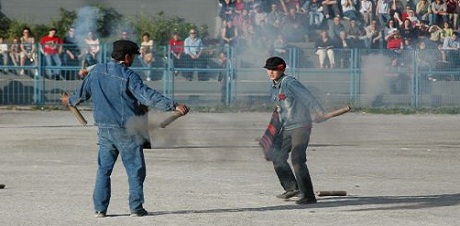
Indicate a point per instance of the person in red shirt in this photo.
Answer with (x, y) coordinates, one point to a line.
(395, 43)
(176, 48)
(51, 48)
(394, 40)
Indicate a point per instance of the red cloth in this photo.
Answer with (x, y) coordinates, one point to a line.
(51, 44)
(272, 137)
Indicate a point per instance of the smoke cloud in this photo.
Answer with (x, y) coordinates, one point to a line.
(86, 21)
(373, 79)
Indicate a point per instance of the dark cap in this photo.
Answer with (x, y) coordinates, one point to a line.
(125, 47)
(275, 63)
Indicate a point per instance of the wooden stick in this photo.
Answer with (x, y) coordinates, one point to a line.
(78, 115)
(171, 119)
(331, 193)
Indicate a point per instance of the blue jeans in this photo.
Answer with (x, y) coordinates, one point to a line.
(114, 141)
(57, 61)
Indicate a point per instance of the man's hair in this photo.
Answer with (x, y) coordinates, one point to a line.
(118, 55)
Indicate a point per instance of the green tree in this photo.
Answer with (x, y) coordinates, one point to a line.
(161, 27)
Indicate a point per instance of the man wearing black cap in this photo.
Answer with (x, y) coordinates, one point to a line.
(118, 94)
(294, 103)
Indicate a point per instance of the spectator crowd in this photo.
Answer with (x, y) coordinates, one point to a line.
(270, 26)
(341, 25)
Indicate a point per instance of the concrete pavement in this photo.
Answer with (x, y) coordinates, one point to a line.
(207, 169)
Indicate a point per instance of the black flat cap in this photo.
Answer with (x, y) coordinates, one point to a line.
(125, 47)
(275, 63)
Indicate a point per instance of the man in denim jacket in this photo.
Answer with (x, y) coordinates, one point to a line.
(294, 103)
(118, 94)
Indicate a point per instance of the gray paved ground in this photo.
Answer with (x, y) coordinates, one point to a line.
(207, 170)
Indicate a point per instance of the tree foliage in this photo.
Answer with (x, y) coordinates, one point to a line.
(160, 27)
(109, 22)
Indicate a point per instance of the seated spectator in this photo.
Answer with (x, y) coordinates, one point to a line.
(240, 6)
(229, 35)
(15, 53)
(423, 11)
(343, 48)
(194, 58)
(227, 10)
(92, 49)
(71, 54)
(365, 9)
(353, 32)
(125, 35)
(51, 48)
(4, 54)
(413, 19)
(239, 20)
(447, 31)
(382, 12)
(259, 16)
(396, 6)
(294, 27)
(275, 17)
(422, 30)
(452, 10)
(314, 10)
(176, 48)
(147, 49)
(290, 4)
(280, 46)
(405, 13)
(407, 31)
(325, 49)
(435, 33)
(391, 25)
(397, 18)
(425, 57)
(349, 10)
(28, 49)
(450, 49)
(425, 61)
(147, 55)
(372, 36)
(438, 12)
(395, 43)
(335, 28)
(330, 8)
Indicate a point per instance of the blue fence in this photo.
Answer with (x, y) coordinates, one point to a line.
(377, 78)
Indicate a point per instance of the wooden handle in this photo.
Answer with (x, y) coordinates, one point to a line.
(332, 114)
(337, 112)
(78, 115)
(331, 193)
(170, 119)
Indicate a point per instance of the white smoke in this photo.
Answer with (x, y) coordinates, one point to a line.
(86, 21)
(373, 79)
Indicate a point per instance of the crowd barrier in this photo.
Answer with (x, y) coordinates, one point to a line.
(227, 75)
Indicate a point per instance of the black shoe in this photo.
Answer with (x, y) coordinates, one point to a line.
(305, 201)
(139, 213)
(100, 214)
(288, 194)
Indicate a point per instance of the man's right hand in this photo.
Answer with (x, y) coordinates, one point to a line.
(182, 108)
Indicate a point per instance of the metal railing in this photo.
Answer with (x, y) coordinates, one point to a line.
(223, 75)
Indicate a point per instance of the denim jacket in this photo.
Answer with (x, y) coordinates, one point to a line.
(117, 92)
(294, 103)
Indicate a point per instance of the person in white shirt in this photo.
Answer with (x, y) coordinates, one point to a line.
(3, 54)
